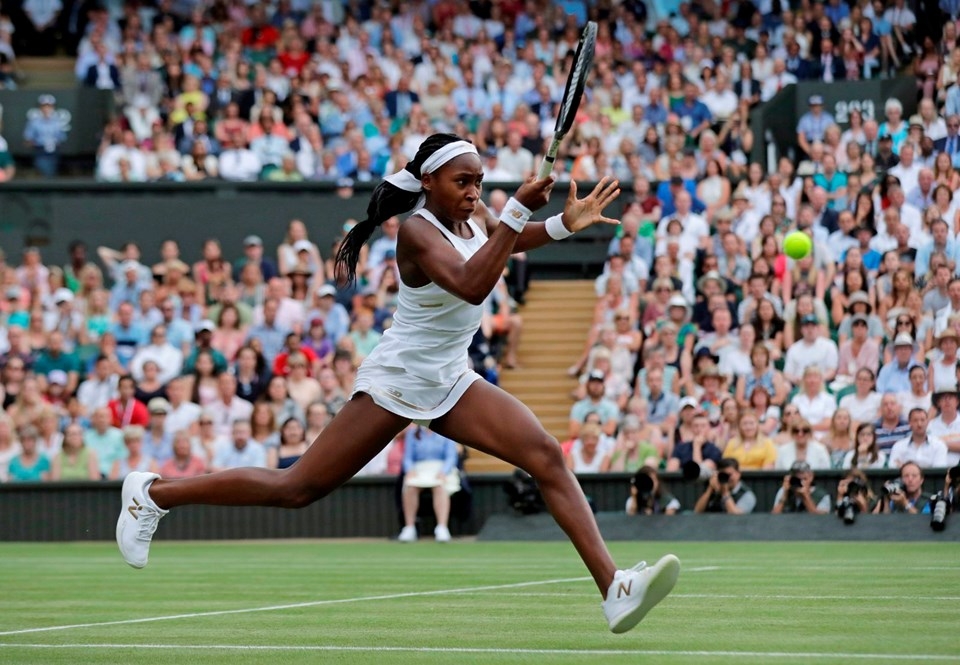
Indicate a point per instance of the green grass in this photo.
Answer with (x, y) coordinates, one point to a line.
(735, 602)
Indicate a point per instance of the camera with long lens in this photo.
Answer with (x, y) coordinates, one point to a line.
(938, 513)
(847, 507)
(894, 486)
(796, 482)
(723, 477)
(644, 484)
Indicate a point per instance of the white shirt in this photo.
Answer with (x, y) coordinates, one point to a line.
(862, 410)
(823, 353)
(182, 417)
(694, 226)
(949, 433)
(932, 453)
(815, 409)
(907, 174)
(227, 456)
(224, 415)
(94, 394)
(908, 401)
(108, 168)
(519, 163)
(817, 456)
(239, 165)
(168, 358)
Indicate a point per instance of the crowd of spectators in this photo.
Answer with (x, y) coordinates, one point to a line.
(707, 341)
(293, 90)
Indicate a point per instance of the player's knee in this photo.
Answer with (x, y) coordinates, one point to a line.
(544, 455)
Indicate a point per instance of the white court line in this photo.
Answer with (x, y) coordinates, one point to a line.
(313, 603)
(833, 656)
(291, 606)
(728, 596)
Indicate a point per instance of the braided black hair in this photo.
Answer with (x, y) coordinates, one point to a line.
(386, 201)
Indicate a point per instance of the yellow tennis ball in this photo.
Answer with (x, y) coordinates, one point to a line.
(797, 245)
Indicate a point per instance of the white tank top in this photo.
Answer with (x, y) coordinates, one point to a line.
(432, 328)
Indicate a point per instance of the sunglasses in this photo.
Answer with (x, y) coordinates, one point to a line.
(904, 322)
(802, 430)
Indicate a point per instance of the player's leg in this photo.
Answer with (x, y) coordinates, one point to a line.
(495, 422)
(352, 438)
(358, 432)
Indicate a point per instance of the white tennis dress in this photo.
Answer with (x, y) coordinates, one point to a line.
(420, 368)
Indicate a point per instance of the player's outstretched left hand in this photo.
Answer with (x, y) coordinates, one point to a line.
(578, 214)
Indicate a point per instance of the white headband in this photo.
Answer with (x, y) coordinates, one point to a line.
(408, 182)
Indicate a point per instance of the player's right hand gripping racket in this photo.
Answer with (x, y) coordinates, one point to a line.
(572, 93)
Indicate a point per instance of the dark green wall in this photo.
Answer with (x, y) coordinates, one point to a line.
(364, 507)
(86, 110)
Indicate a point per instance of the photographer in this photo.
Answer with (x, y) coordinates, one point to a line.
(854, 496)
(725, 493)
(799, 494)
(647, 496)
(905, 494)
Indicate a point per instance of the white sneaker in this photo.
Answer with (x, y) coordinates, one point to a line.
(408, 534)
(442, 534)
(636, 591)
(139, 516)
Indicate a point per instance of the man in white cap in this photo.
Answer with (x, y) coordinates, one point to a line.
(336, 320)
(64, 318)
(45, 133)
(128, 289)
(894, 377)
(811, 349)
(813, 124)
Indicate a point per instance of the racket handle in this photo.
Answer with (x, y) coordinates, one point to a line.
(546, 167)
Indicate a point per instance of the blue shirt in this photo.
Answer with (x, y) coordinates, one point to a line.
(128, 339)
(893, 378)
(813, 127)
(271, 338)
(696, 111)
(605, 408)
(922, 261)
(423, 445)
(46, 133)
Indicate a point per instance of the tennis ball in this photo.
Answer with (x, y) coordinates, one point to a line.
(797, 245)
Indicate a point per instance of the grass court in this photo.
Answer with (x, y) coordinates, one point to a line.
(470, 602)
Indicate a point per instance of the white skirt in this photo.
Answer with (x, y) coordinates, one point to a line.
(410, 396)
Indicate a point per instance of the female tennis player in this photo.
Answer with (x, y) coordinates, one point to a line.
(419, 372)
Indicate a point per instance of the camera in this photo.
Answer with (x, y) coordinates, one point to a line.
(644, 484)
(855, 487)
(939, 509)
(796, 482)
(893, 486)
(723, 477)
(847, 509)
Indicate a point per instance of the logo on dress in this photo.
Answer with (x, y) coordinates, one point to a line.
(393, 392)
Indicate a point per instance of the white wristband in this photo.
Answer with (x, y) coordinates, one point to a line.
(515, 215)
(556, 229)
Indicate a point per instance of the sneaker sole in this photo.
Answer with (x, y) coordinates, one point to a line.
(663, 578)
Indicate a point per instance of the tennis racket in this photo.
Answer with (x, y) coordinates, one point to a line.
(572, 94)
